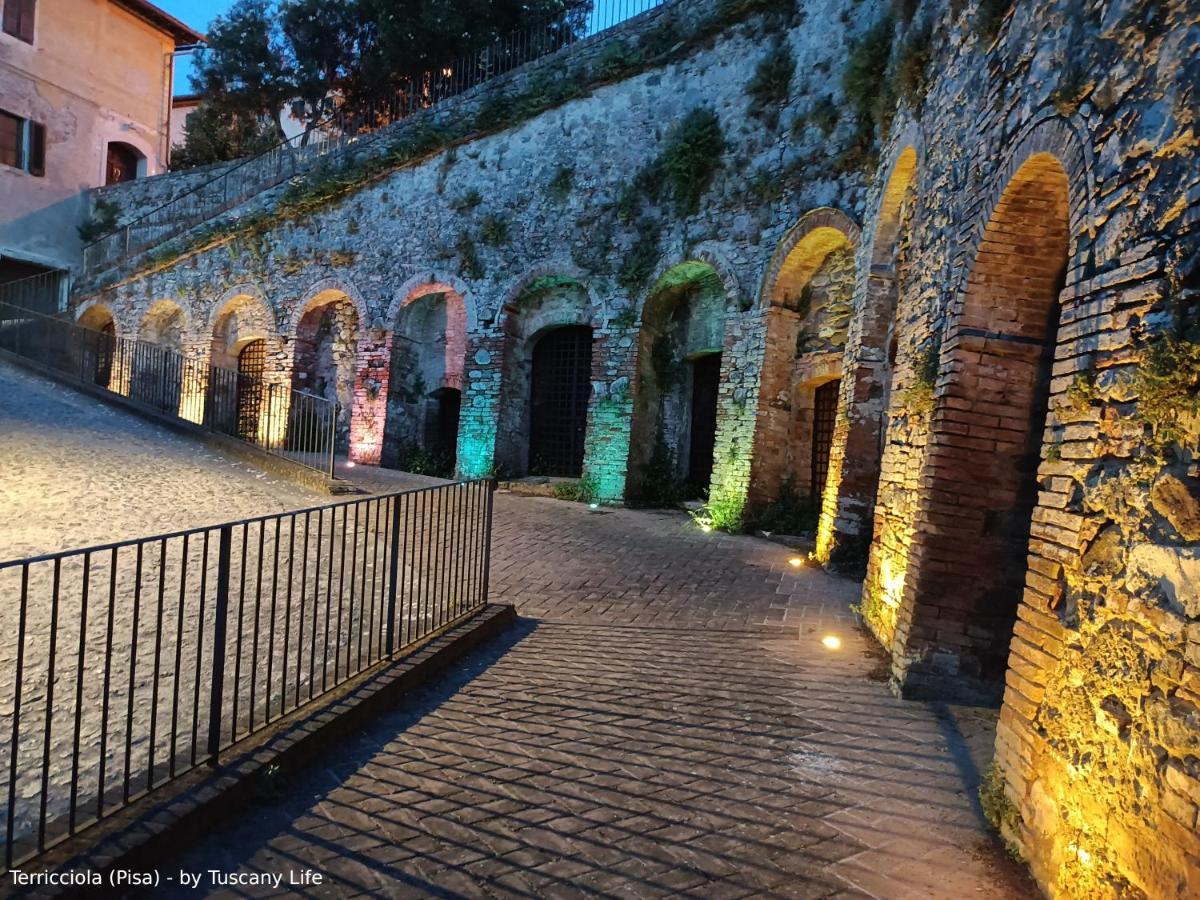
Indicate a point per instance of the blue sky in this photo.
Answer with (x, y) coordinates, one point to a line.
(197, 13)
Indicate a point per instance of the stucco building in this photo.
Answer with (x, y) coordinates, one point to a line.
(85, 100)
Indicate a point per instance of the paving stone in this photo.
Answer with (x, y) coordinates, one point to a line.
(590, 753)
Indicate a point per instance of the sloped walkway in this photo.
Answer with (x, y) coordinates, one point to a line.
(665, 720)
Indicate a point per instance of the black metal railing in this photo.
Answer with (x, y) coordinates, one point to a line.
(326, 142)
(46, 292)
(273, 417)
(129, 664)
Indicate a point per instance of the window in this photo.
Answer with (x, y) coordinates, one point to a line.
(18, 19)
(22, 143)
(122, 163)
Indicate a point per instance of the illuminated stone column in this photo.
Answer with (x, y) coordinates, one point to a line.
(737, 406)
(478, 418)
(606, 456)
(369, 411)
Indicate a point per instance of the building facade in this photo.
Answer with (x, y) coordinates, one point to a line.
(85, 100)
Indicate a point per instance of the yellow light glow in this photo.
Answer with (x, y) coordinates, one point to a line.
(706, 528)
(832, 642)
(795, 562)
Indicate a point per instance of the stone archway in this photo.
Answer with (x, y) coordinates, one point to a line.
(809, 294)
(157, 369)
(425, 382)
(679, 350)
(548, 314)
(325, 354)
(965, 572)
(248, 390)
(848, 508)
(98, 347)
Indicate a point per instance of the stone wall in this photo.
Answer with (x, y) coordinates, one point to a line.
(1014, 451)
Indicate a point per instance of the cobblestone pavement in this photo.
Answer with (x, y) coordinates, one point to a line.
(79, 472)
(664, 720)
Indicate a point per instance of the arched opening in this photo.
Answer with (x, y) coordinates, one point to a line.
(157, 365)
(847, 519)
(251, 368)
(124, 162)
(807, 323)
(981, 490)
(425, 383)
(547, 380)
(673, 431)
(244, 382)
(326, 353)
(560, 385)
(98, 345)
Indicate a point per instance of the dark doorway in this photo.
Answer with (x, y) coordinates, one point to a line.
(105, 342)
(441, 427)
(252, 361)
(825, 401)
(122, 163)
(561, 383)
(706, 380)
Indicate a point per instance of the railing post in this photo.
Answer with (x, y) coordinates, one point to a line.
(393, 576)
(127, 240)
(220, 623)
(487, 542)
(337, 408)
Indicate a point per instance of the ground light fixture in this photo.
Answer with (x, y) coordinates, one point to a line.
(795, 562)
(832, 642)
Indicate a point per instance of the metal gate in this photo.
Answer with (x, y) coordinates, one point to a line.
(252, 361)
(825, 401)
(561, 386)
(706, 382)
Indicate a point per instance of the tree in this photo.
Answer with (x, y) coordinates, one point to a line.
(318, 57)
(213, 133)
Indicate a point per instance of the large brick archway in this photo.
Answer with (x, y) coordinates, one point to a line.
(683, 329)
(427, 359)
(808, 293)
(966, 566)
(848, 505)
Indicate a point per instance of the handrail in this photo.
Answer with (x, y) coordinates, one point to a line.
(274, 417)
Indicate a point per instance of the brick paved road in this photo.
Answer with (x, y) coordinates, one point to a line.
(665, 720)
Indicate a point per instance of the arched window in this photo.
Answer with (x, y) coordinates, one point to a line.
(124, 163)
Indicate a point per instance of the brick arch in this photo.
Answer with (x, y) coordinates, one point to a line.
(245, 292)
(788, 433)
(155, 325)
(329, 290)
(684, 322)
(538, 307)
(519, 288)
(813, 235)
(1064, 139)
(964, 574)
(848, 505)
(705, 253)
(327, 334)
(96, 313)
(244, 314)
(434, 281)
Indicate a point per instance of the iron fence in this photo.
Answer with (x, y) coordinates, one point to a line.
(325, 144)
(46, 292)
(273, 417)
(133, 663)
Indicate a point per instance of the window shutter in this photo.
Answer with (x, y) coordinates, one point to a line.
(37, 148)
(27, 7)
(12, 17)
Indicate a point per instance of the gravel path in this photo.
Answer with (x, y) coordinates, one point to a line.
(78, 472)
